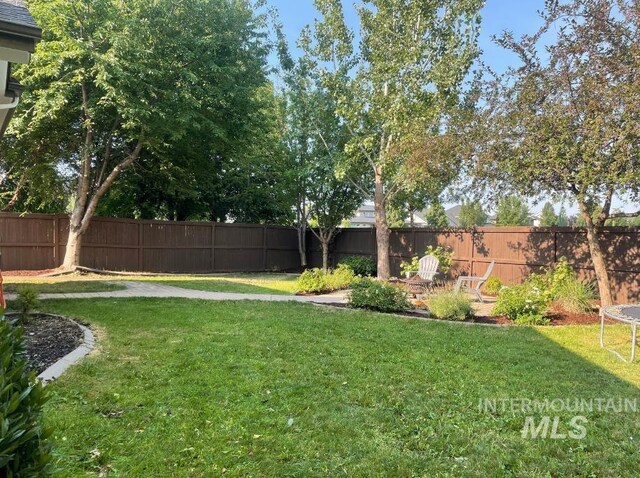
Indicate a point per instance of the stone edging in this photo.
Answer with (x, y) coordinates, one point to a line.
(73, 357)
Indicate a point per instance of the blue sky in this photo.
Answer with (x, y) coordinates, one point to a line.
(518, 16)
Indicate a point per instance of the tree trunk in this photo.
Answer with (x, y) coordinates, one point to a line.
(86, 204)
(382, 228)
(73, 248)
(597, 257)
(302, 246)
(325, 254)
(301, 227)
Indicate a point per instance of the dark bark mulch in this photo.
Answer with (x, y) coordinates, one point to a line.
(25, 273)
(557, 317)
(49, 338)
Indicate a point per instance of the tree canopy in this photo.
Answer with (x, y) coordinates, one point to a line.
(182, 85)
(566, 123)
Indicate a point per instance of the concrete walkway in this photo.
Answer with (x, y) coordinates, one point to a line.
(150, 289)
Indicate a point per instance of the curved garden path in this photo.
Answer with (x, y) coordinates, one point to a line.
(150, 289)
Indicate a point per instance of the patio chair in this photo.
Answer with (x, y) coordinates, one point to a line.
(472, 284)
(427, 270)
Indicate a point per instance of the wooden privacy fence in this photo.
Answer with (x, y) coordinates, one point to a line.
(36, 241)
(517, 251)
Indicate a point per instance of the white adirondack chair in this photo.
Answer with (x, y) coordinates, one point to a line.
(427, 269)
(472, 284)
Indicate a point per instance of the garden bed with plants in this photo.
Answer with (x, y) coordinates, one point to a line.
(553, 297)
(47, 337)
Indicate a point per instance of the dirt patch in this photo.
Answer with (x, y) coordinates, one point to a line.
(49, 338)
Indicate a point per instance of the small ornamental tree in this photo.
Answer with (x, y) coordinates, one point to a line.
(568, 123)
(315, 141)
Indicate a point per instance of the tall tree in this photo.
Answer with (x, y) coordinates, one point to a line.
(300, 85)
(398, 86)
(242, 175)
(568, 123)
(548, 216)
(126, 77)
(513, 211)
(436, 215)
(471, 214)
(331, 198)
(563, 217)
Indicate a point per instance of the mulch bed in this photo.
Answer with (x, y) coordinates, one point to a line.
(49, 338)
(27, 273)
(557, 318)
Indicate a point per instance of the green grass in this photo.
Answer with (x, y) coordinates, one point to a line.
(60, 286)
(277, 284)
(197, 389)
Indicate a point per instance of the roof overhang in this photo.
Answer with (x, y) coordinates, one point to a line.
(19, 35)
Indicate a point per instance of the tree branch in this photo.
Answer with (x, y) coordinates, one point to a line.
(104, 187)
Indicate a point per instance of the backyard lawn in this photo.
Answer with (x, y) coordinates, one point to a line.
(199, 389)
(241, 283)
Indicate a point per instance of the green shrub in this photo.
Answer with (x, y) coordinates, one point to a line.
(407, 267)
(522, 303)
(24, 447)
(360, 265)
(492, 286)
(375, 295)
(450, 305)
(340, 278)
(444, 255)
(315, 281)
(576, 296)
(561, 285)
(532, 319)
(26, 301)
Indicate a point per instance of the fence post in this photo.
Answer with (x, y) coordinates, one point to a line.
(473, 251)
(56, 232)
(213, 246)
(140, 255)
(264, 247)
(555, 246)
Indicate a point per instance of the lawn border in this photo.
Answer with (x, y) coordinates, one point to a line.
(58, 368)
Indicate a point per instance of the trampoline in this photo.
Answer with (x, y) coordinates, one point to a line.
(628, 314)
